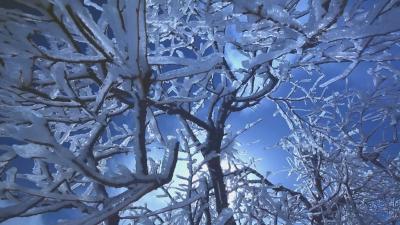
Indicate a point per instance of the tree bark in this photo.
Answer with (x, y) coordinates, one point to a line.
(214, 140)
(221, 197)
(217, 177)
(113, 220)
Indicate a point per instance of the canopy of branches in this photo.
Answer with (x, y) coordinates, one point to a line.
(126, 111)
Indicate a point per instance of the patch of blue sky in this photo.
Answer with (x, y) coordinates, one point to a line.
(260, 141)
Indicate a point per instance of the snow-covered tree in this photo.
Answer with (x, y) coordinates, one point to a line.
(74, 91)
(87, 88)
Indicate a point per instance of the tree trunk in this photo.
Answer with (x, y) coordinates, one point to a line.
(214, 140)
(217, 177)
(113, 220)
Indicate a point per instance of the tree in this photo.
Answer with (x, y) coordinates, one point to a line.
(85, 84)
(64, 109)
